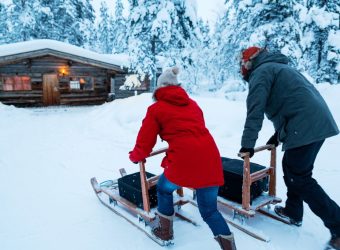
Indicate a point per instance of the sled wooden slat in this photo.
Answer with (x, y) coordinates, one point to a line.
(272, 172)
(145, 187)
(153, 181)
(122, 172)
(114, 195)
(147, 183)
(258, 203)
(128, 205)
(246, 184)
(259, 174)
(249, 178)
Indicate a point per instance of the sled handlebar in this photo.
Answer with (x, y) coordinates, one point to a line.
(158, 151)
(258, 149)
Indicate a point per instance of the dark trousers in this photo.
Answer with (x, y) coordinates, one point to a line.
(298, 164)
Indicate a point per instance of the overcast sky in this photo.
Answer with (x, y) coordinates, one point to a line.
(209, 9)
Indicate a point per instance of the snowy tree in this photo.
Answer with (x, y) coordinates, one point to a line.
(22, 19)
(197, 74)
(64, 20)
(305, 31)
(164, 28)
(119, 31)
(76, 18)
(322, 53)
(83, 22)
(46, 25)
(4, 32)
(258, 23)
(104, 30)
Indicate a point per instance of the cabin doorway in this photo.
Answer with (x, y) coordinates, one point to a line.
(51, 95)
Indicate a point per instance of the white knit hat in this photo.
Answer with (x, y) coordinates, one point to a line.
(168, 77)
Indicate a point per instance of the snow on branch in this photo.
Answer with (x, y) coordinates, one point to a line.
(131, 82)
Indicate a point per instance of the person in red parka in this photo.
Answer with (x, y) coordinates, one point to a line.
(192, 159)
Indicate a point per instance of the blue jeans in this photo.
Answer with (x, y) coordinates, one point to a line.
(206, 200)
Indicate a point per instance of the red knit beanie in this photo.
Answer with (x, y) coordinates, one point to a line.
(247, 55)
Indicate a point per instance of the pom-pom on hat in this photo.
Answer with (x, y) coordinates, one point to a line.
(168, 77)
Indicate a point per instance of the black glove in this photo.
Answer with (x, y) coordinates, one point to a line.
(136, 162)
(247, 150)
(274, 140)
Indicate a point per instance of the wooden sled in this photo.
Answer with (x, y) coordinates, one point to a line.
(260, 205)
(108, 194)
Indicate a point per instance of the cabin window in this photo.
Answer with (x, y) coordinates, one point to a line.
(16, 83)
(81, 83)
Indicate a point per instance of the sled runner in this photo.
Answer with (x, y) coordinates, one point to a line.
(135, 207)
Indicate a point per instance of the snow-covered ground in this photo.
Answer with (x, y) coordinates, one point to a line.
(48, 155)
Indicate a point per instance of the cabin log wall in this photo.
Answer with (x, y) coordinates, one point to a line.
(35, 68)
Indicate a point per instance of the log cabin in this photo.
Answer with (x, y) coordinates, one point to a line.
(50, 73)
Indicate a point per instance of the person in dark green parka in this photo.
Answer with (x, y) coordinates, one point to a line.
(302, 122)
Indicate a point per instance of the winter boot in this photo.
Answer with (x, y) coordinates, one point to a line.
(162, 227)
(334, 243)
(280, 211)
(226, 242)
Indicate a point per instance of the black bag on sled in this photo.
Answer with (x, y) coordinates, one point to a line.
(129, 187)
(233, 180)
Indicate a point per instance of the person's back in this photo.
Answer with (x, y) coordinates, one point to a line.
(296, 108)
(302, 121)
(177, 113)
(192, 159)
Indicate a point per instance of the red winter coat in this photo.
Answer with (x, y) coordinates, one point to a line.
(192, 159)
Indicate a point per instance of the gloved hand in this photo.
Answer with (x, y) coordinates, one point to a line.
(247, 150)
(136, 162)
(274, 140)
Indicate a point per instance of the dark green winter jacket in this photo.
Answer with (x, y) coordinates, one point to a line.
(289, 100)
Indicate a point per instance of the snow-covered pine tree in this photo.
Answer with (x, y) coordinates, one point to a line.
(278, 28)
(197, 74)
(232, 33)
(76, 18)
(185, 33)
(165, 28)
(305, 31)
(104, 30)
(258, 23)
(84, 20)
(332, 67)
(46, 25)
(4, 32)
(223, 47)
(324, 25)
(119, 29)
(22, 20)
(141, 52)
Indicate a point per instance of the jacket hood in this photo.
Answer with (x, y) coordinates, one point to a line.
(266, 56)
(174, 95)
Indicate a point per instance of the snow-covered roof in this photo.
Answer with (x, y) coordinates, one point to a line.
(51, 47)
